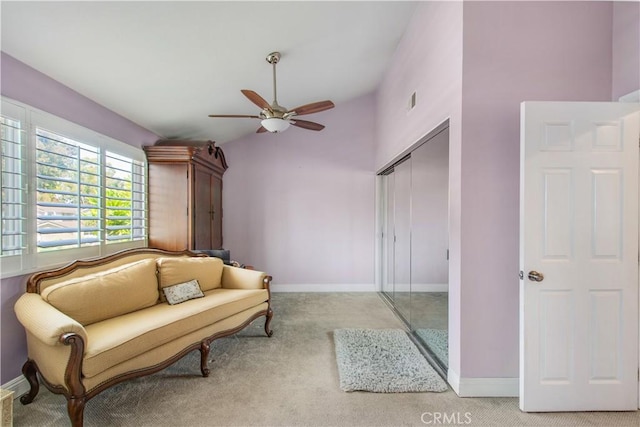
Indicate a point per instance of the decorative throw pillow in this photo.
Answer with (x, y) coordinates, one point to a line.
(206, 270)
(182, 292)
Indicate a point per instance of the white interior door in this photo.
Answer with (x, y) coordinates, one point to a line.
(579, 256)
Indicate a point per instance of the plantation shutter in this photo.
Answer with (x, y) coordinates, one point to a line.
(125, 199)
(68, 192)
(12, 214)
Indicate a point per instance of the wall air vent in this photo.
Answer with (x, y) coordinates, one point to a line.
(412, 101)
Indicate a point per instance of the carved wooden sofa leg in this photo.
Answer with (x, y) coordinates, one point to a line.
(269, 315)
(75, 409)
(30, 372)
(267, 323)
(205, 347)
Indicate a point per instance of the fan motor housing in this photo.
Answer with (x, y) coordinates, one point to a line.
(273, 57)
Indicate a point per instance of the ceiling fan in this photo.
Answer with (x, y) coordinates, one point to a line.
(274, 117)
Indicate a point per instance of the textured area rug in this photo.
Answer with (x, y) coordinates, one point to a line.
(382, 361)
(438, 341)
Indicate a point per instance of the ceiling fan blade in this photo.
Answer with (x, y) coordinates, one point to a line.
(256, 99)
(314, 107)
(234, 116)
(307, 124)
(261, 129)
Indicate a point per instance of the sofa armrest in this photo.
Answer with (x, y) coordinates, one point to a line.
(44, 321)
(241, 278)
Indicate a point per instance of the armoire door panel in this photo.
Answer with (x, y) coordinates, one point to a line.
(168, 221)
(217, 217)
(203, 210)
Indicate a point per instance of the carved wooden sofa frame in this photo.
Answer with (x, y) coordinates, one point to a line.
(76, 394)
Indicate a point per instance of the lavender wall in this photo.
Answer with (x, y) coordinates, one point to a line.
(513, 51)
(25, 84)
(300, 204)
(22, 83)
(428, 60)
(13, 343)
(626, 49)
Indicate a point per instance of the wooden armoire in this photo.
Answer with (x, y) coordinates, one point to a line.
(185, 194)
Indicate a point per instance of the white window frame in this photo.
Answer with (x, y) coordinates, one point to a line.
(31, 260)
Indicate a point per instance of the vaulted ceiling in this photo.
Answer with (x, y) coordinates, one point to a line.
(167, 65)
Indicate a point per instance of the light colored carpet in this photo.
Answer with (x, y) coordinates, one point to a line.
(437, 340)
(290, 379)
(382, 361)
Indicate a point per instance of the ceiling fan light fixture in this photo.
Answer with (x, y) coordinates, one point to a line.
(275, 124)
(274, 117)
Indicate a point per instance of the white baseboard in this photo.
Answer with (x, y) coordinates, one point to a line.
(483, 387)
(325, 287)
(351, 287)
(18, 386)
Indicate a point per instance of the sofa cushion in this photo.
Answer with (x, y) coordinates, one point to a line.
(106, 294)
(116, 340)
(206, 270)
(182, 292)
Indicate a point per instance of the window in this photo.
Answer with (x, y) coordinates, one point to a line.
(67, 192)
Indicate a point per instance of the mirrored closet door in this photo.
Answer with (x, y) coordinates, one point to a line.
(430, 245)
(402, 244)
(415, 240)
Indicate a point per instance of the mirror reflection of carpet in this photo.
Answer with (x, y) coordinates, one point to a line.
(437, 340)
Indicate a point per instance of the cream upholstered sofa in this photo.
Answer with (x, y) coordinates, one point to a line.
(95, 323)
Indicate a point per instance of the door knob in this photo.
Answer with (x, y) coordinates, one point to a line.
(534, 276)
